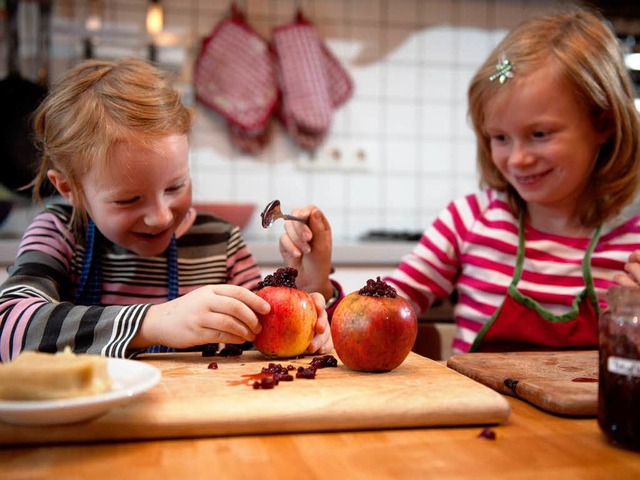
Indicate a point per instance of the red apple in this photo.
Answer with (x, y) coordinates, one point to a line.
(287, 330)
(374, 329)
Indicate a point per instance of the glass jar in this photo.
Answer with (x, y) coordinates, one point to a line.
(619, 367)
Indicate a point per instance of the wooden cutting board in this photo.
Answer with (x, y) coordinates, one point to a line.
(565, 382)
(192, 400)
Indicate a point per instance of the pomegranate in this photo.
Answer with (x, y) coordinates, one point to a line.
(287, 330)
(374, 329)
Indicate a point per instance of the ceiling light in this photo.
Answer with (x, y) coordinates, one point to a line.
(154, 17)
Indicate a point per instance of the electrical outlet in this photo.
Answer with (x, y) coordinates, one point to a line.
(337, 158)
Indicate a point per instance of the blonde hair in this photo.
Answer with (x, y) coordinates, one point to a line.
(589, 56)
(97, 105)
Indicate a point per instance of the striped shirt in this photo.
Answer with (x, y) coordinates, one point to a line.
(36, 312)
(472, 247)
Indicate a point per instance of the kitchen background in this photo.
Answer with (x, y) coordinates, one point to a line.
(398, 150)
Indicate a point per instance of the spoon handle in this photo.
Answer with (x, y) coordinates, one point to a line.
(304, 220)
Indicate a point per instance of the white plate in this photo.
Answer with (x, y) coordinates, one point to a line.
(129, 379)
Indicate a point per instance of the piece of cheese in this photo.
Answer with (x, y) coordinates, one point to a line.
(45, 376)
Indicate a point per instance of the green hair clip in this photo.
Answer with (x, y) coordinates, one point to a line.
(503, 68)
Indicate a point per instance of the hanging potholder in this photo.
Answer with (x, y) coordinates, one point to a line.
(235, 75)
(340, 89)
(251, 142)
(312, 82)
(339, 81)
(303, 81)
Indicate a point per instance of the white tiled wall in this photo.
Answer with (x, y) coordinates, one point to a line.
(411, 61)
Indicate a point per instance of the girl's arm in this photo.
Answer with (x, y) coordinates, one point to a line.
(430, 271)
(35, 311)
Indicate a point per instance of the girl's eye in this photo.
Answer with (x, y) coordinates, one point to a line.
(539, 134)
(176, 188)
(126, 201)
(499, 137)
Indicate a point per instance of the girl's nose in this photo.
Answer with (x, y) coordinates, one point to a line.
(158, 215)
(520, 155)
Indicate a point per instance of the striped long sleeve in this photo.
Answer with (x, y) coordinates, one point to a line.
(472, 247)
(36, 301)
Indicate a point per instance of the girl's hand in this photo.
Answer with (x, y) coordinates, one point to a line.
(322, 342)
(632, 268)
(307, 248)
(211, 314)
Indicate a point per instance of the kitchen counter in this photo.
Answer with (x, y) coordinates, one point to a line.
(531, 444)
(344, 253)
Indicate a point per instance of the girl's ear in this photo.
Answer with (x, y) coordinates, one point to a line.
(62, 185)
(604, 129)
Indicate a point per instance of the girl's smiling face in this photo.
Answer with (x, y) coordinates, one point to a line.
(139, 202)
(543, 140)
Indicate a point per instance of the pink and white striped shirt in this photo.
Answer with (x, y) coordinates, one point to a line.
(472, 246)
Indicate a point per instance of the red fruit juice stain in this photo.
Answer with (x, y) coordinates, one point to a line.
(249, 378)
(584, 380)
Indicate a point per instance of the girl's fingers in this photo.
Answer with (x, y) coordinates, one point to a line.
(240, 304)
(624, 280)
(229, 325)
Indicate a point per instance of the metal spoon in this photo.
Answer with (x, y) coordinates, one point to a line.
(272, 212)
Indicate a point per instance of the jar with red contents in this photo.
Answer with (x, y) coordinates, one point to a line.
(619, 368)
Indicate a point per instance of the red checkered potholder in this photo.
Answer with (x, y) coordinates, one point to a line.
(251, 142)
(302, 75)
(235, 74)
(339, 81)
(312, 82)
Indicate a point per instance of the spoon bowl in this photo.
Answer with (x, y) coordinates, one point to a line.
(272, 212)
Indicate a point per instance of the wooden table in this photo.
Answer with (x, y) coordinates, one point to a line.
(531, 444)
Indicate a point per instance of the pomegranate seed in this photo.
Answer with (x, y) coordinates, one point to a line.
(487, 434)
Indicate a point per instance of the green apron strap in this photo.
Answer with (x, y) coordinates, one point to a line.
(512, 290)
(586, 270)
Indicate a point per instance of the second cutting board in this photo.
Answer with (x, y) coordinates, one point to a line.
(562, 382)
